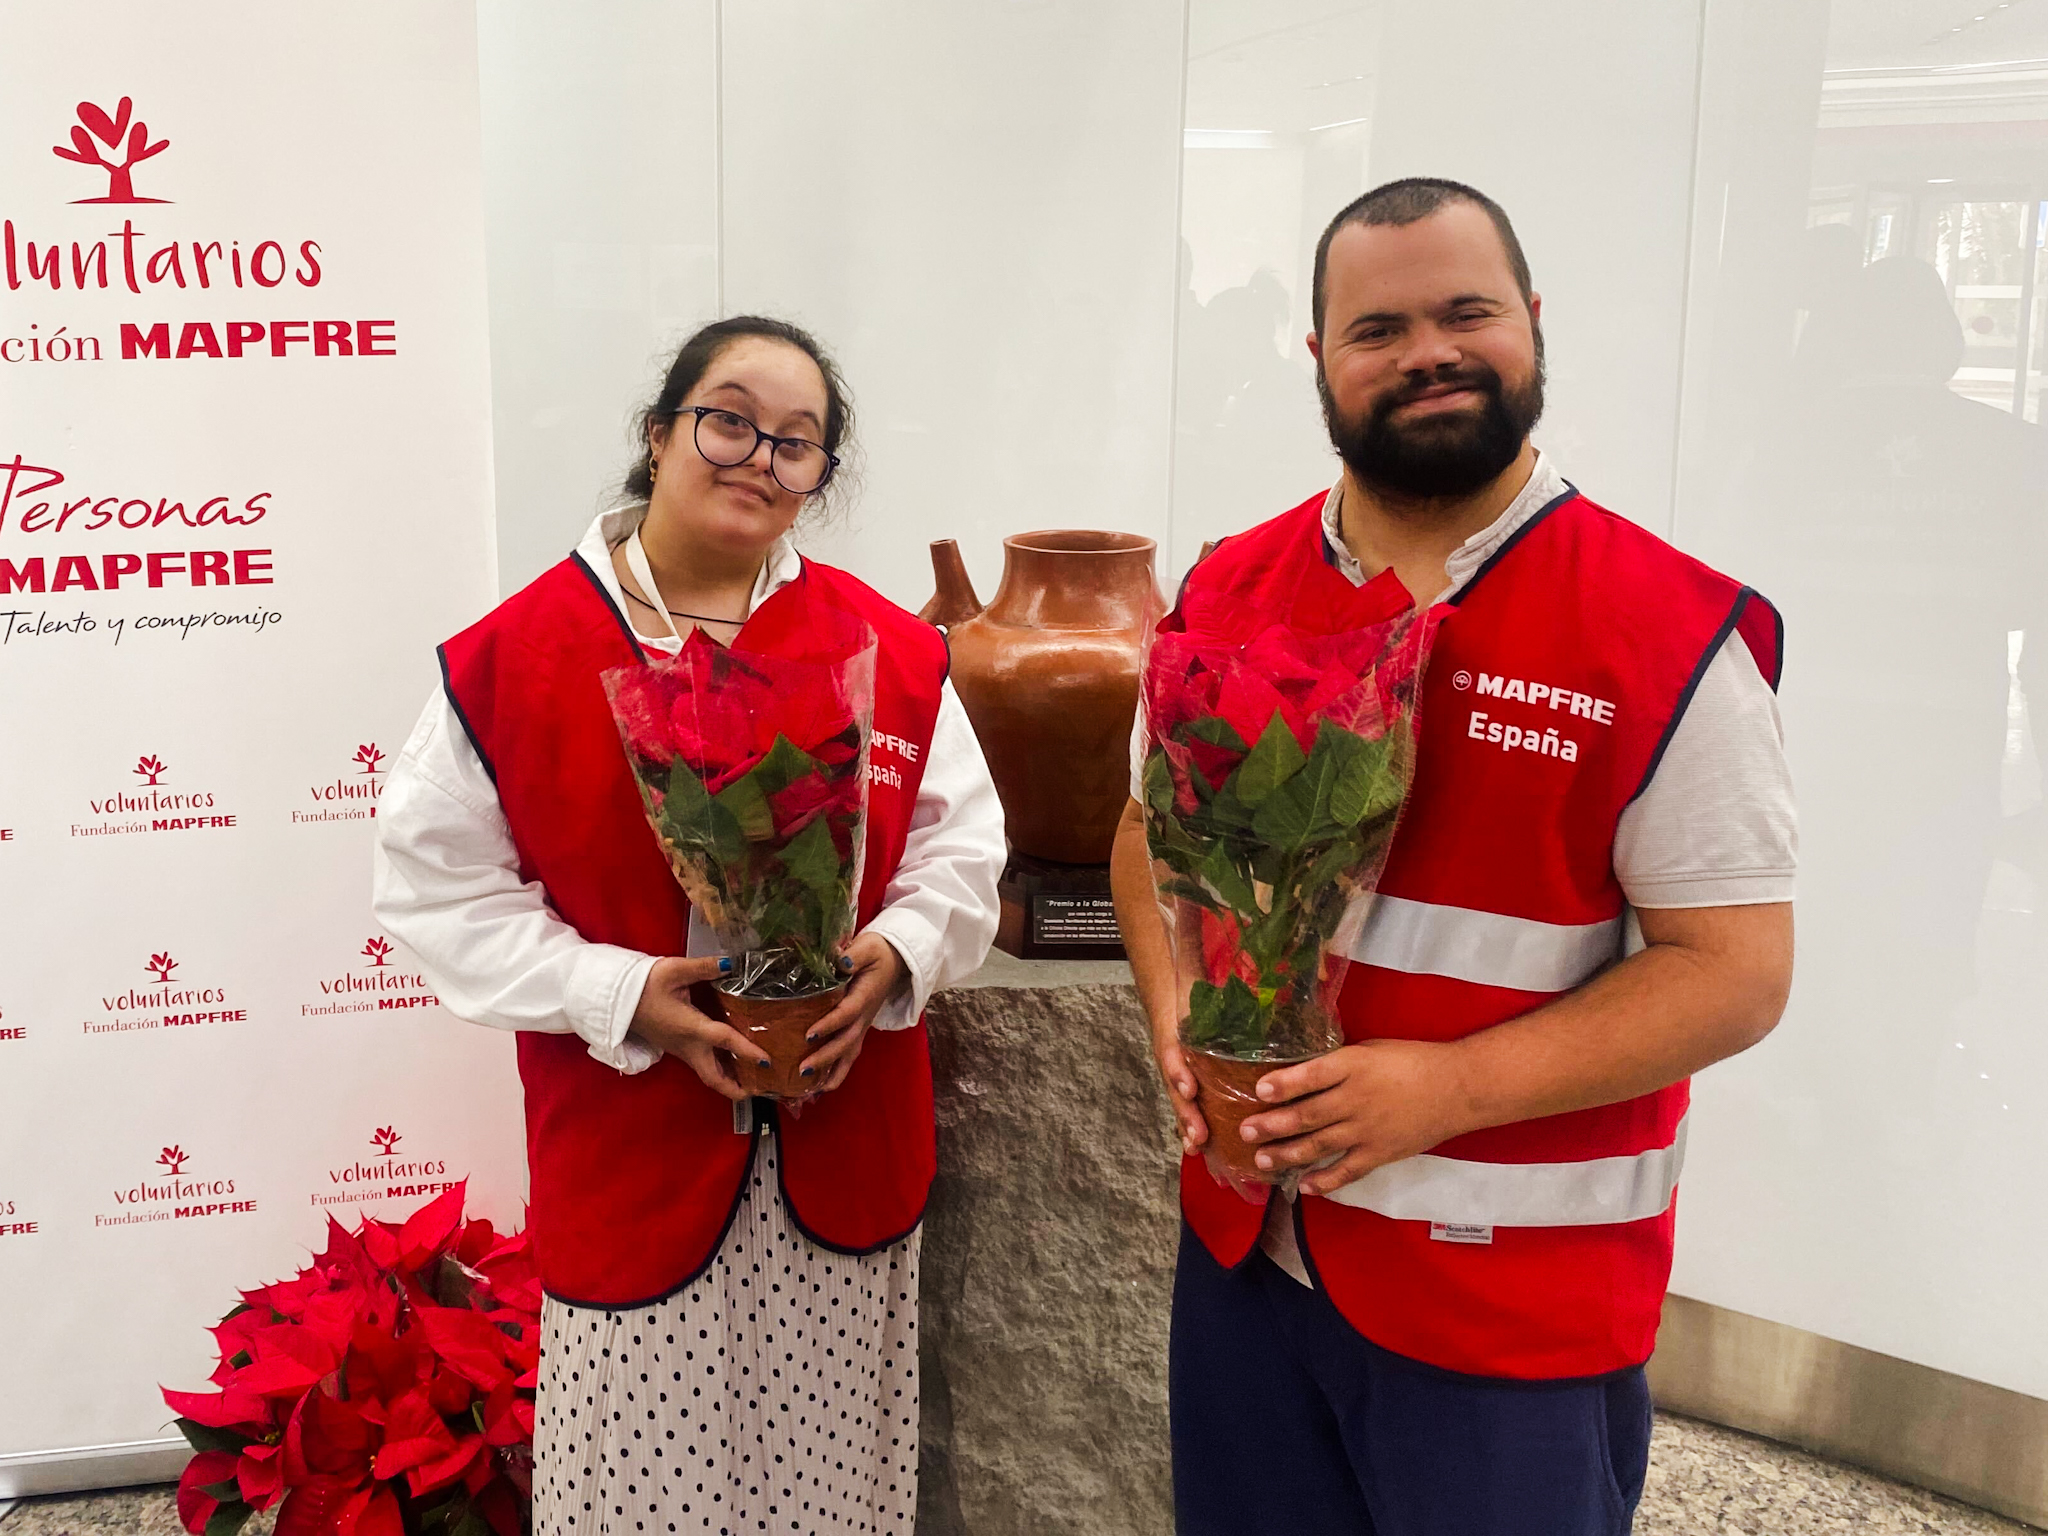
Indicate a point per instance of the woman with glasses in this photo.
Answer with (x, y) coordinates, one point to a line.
(729, 1337)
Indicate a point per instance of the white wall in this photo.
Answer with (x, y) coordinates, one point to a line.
(601, 200)
(972, 203)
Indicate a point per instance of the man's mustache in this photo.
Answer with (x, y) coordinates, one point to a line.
(1482, 379)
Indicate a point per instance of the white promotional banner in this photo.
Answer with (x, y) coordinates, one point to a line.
(244, 491)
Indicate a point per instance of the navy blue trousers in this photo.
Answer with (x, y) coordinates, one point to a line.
(1287, 1422)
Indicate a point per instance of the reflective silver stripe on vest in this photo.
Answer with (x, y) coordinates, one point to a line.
(1485, 947)
(1597, 1192)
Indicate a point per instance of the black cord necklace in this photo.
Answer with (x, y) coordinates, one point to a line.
(701, 618)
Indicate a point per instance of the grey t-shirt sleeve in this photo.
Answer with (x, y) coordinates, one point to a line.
(1138, 746)
(1716, 827)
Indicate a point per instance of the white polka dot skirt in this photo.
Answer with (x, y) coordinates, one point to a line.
(776, 1392)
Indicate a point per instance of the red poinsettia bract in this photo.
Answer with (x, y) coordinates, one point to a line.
(385, 1389)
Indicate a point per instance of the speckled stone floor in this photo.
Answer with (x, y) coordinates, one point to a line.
(1704, 1481)
(1708, 1481)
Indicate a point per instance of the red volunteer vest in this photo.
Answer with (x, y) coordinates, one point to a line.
(635, 1179)
(1538, 1250)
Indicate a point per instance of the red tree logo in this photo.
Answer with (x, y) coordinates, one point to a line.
(387, 1141)
(379, 950)
(112, 132)
(173, 1160)
(163, 965)
(151, 768)
(369, 757)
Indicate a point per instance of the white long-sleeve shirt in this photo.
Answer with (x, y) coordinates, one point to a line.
(446, 876)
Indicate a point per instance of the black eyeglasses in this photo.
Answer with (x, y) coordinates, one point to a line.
(726, 438)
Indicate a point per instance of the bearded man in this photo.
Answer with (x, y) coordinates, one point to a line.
(1440, 1328)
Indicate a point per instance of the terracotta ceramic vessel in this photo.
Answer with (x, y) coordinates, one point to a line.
(777, 1025)
(1048, 672)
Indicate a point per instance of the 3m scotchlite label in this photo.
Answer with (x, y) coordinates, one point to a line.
(1598, 1192)
(1485, 947)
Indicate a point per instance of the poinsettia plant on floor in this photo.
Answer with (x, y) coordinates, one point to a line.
(387, 1389)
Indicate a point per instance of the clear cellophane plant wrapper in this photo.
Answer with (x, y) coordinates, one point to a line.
(752, 768)
(1275, 772)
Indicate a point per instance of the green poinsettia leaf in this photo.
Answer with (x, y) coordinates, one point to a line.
(1346, 853)
(1224, 815)
(785, 763)
(812, 860)
(687, 796)
(1158, 782)
(1215, 731)
(1191, 890)
(1367, 780)
(719, 831)
(204, 1437)
(1274, 759)
(229, 1517)
(1287, 818)
(1225, 1019)
(1222, 875)
(743, 797)
(778, 923)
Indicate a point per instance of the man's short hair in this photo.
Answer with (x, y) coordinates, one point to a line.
(1407, 202)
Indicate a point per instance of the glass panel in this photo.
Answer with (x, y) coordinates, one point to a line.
(1865, 317)
(1278, 118)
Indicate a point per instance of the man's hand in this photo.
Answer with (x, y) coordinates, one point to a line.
(876, 971)
(1145, 941)
(667, 1020)
(1180, 1085)
(1364, 1105)
(1711, 982)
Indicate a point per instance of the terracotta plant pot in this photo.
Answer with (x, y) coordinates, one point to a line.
(1226, 1092)
(1048, 673)
(777, 1025)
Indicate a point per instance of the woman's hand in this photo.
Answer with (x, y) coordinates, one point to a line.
(876, 970)
(667, 1020)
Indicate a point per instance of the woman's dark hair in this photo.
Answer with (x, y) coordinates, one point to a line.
(695, 360)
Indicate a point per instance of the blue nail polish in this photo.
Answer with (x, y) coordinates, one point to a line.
(846, 962)
(809, 1072)
(725, 964)
(766, 1063)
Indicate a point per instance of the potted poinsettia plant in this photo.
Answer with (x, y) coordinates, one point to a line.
(1274, 774)
(752, 769)
(387, 1389)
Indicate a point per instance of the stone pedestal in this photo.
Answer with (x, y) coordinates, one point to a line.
(1048, 1260)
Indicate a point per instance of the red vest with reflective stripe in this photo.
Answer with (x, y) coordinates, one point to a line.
(1557, 677)
(635, 1179)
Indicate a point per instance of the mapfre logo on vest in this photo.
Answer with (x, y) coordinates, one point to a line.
(151, 800)
(11, 1033)
(1559, 731)
(379, 982)
(176, 1186)
(391, 1170)
(350, 795)
(170, 995)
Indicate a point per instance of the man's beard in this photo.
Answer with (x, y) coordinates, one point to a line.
(1446, 455)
